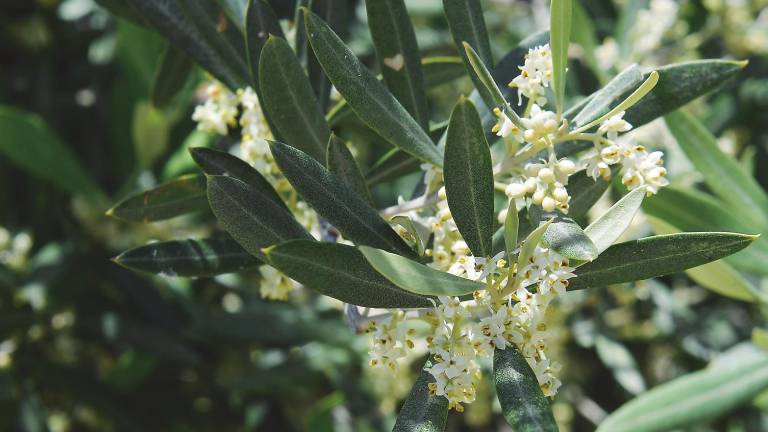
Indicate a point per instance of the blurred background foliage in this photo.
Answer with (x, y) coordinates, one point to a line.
(87, 345)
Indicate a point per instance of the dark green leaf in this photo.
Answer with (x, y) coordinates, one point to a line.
(335, 14)
(189, 258)
(722, 173)
(398, 55)
(522, 403)
(416, 277)
(567, 238)
(468, 174)
(657, 256)
(215, 162)
(204, 45)
(442, 70)
(26, 141)
(235, 10)
(585, 192)
(251, 215)
(289, 100)
(465, 19)
(341, 272)
(172, 73)
(342, 164)
(422, 411)
(177, 197)
(260, 23)
(366, 95)
(679, 84)
(357, 220)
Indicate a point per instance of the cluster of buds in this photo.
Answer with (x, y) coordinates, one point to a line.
(641, 169)
(535, 75)
(391, 340)
(545, 184)
(219, 111)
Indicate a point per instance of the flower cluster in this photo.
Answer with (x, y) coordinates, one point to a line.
(640, 168)
(545, 183)
(14, 248)
(464, 332)
(535, 75)
(219, 111)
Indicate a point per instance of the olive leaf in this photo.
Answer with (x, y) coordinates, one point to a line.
(189, 258)
(177, 197)
(422, 411)
(561, 12)
(468, 174)
(341, 163)
(341, 272)
(606, 229)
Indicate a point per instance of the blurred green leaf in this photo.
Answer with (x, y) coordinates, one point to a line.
(235, 10)
(680, 83)
(468, 174)
(398, 55)
(348, 212)
(151, 130)
(342, 164)
(606, 229)
(26, 141)
(250, 215)
(721, 173)
(441, 70)
(657, 256)
(583, 33)
(422, 411)
(260, 23)
(522, 403)
(561, 12)
(177, 197)
(366, 95)
(341, 272)
(693, 398)
(215, 162)
(181, 162)
(567, 238)
(416, 277)
(467, 24)
(585, 192)
(188, 258)
(171, 75)
(204, 45)
(290, 101)
(621, 363)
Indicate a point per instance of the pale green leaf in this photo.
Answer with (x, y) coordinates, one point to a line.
(560, 35)
(611, 225)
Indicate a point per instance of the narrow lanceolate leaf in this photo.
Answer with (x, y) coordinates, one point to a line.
(523, 404)
(567, 238)
(583, 33)
(27, 142)
(657, 256)
(721, 173)
(416, 277)
(215, 162)
(690, 210)
(694, 398)
(422, 411)
(560, 36)
(342, 164)
(679, 84)
(235, 10)
(468, 173)
(366, 95)
(289, 100)
(511, 225)
(171, 75)
(481, 73)
(612, 224)
(250, 215)
(717, 276)
(341, 272)
(177, 197)
(335, 14)
(398, 55)
(188, 258)
(610, 95)
(260, 23)
(344, 208)
(171, 20)
(465, 19)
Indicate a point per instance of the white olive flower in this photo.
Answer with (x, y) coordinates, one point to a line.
(535, 75)
(219, 112)
(275, 285)
(613, 125)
